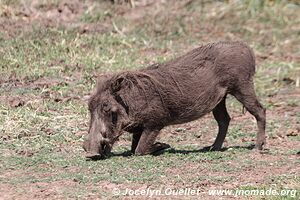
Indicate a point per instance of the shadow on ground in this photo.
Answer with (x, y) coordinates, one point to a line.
(179, 151)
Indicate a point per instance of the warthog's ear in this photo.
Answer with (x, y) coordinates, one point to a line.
(116, 84)
(102, 81)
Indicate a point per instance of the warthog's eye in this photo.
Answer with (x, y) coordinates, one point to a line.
(105, 107)
(114, 118)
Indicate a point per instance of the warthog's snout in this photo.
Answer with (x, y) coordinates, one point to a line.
(93, 156)
(98, 151)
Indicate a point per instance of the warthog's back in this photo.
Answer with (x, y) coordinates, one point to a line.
(194, 83)
(233, 59)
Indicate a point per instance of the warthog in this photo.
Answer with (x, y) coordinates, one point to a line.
(144, 101)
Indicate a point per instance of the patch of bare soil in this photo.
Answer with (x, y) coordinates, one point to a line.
(42, 84)
(66, 13)
(39, 190)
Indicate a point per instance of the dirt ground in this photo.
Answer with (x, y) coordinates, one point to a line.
(53, 51)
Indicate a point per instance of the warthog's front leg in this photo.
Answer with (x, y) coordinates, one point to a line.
(146, 143)
(136, 136)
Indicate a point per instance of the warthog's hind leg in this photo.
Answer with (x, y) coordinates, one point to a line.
(246, 95)
(222, 117)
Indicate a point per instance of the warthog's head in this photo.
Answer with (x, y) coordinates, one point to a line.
(107, 118)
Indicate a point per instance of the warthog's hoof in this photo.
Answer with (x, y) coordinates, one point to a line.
(155, 149)
(159, 146)
(94, 156)
(260, 145)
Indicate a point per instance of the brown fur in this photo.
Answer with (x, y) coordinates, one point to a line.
(179, 91)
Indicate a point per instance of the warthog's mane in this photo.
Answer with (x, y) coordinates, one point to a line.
(136, 82)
